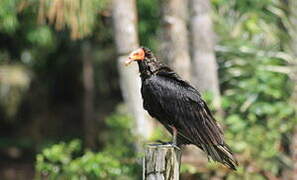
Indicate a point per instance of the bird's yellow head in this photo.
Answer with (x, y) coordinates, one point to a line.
(147, 62)
(137, 55)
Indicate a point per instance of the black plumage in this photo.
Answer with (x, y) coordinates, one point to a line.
(179, 107)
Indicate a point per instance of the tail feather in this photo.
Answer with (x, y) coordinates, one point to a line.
(222, 154)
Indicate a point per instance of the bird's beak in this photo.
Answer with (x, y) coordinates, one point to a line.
(137, 55)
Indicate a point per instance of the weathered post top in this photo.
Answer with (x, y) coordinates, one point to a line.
(161, 162)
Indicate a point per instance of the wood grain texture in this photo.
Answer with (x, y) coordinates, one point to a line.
(161, 162)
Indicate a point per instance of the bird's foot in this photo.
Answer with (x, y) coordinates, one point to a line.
(174, 145)
(168, 143)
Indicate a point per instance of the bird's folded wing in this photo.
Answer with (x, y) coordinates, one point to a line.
(183, 104)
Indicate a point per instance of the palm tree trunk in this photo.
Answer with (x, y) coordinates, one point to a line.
(203, 55)
(88, 105)
(126, 39)
(174, 47)
(292, 4)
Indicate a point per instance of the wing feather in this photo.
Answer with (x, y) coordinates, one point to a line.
(183, 107)
(186, 110)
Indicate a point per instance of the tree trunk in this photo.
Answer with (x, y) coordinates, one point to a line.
(292, 4)
(202, 49)
(161, 162)
(126, 38)
(174, 47)
(88, 106)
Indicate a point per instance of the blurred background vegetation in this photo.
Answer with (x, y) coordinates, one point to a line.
(62, 112)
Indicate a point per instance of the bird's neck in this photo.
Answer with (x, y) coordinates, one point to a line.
(148, 67)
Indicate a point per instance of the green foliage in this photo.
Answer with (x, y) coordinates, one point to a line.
(41, 36)
(260, 23)
(59, 161)
(149, 22)
(69, 161)
(255, 85)
(160, 133)
(8, 16)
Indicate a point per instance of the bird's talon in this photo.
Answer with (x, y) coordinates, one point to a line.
(169, 143)
(175, 146)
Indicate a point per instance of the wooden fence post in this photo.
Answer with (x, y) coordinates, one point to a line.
(161, 162)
